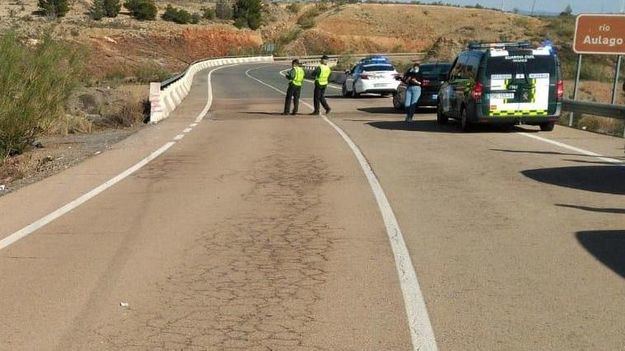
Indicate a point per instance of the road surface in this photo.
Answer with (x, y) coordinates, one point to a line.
(255, 231)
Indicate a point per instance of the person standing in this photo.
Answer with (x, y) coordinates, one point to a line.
(413, 90)
(296, 79)
(322, 78)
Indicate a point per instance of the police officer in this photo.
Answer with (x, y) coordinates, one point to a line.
(296, 78)
(322, 77)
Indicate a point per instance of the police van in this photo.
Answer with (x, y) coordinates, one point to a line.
(503, 83)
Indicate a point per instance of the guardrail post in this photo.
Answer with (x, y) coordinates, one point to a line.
(576, 87)
(156, 109)
(616, 79)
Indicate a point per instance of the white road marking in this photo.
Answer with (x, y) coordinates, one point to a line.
(187, 130)
(193, 125)
(573, 148)
(40, 223)
(421, 331)
(179, 137)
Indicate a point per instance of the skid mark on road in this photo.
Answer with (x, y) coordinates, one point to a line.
(252, 280)
(421, 332)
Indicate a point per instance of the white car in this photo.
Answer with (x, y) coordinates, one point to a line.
(371, 77)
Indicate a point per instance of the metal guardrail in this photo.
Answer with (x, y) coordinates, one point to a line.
(595, 109)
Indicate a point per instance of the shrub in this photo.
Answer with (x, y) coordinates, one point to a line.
(112, 8)
(179, 16)
(96, 11)
(151, 73)
(223, 10)
(247, 13)
(36, 83)
(142, 9)
(130, 113)
(307, 20)
(208, 13)
(54, 8)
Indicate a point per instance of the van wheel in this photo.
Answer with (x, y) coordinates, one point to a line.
(440, 116)
(465, 124)
(547, 127)
(345, 92)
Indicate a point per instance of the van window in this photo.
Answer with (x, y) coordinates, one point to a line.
(521, 63)
(473, 64)
(459, 71)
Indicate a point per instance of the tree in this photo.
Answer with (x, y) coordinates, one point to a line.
(568, 11)
(54, 8)
(247, 13)
(223, 10)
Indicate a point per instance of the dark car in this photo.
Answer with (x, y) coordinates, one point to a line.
(431, 76)
(504, 83)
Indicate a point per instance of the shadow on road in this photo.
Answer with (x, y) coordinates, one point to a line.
(414, 126)
(607, 246)
(392, 110)
(599, 179)
(594, 209)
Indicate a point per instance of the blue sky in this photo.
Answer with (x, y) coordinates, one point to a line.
(547, 5)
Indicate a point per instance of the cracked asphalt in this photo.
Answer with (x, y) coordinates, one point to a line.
(260, 232)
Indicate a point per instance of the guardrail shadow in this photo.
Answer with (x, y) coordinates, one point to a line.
(594, 209)
(599, 179)
(607, 246)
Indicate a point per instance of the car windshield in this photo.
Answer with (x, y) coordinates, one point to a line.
(522, 62)
(434, 71)
(378, 68)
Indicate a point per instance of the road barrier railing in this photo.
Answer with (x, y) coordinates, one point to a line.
(167, 95)
(594, 109)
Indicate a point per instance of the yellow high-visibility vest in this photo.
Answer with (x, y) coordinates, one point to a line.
(299, 76)
(324, 76)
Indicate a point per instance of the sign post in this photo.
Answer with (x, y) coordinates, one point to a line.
(600, 35)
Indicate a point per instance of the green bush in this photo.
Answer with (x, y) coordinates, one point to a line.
(142, 9)
(307, 20)
(223, 10)
(112, 8)
(96, 11)
(54, 8)
(208, 13)
(36, 84)
(179, 16)
(248, 13)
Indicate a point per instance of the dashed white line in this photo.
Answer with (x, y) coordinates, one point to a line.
(421, 332)
(40, 223)
(187, 130)
(193, 125)
(179, 137)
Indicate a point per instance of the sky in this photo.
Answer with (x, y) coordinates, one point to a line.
(579, 6)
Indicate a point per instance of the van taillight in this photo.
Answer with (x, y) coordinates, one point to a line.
(478, 91)
(560, 90)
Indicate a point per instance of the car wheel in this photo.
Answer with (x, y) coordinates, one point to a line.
(440, 115)
(547, 127)
(346, 93)
(465, 124)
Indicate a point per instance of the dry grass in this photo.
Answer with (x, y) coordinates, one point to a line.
(130, 113)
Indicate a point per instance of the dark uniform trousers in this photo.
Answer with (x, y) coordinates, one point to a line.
(320, 97)
(292, 93)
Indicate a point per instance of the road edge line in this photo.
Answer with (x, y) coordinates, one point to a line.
(421, 331)
(47, 219)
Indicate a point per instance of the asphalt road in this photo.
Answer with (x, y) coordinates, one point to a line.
(261, 232)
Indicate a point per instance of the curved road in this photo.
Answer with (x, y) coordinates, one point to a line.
(260, 232)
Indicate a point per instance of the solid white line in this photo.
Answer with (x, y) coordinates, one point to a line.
(421, 331)
(187, 130)
(40, 223)
(573, 148)
(179, 137)
(193, 125)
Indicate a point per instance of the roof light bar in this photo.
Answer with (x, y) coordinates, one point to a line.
(520, 44)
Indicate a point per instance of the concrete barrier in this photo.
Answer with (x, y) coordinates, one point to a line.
(166, 96)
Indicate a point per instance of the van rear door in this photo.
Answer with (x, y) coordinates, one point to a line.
(522, 83)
